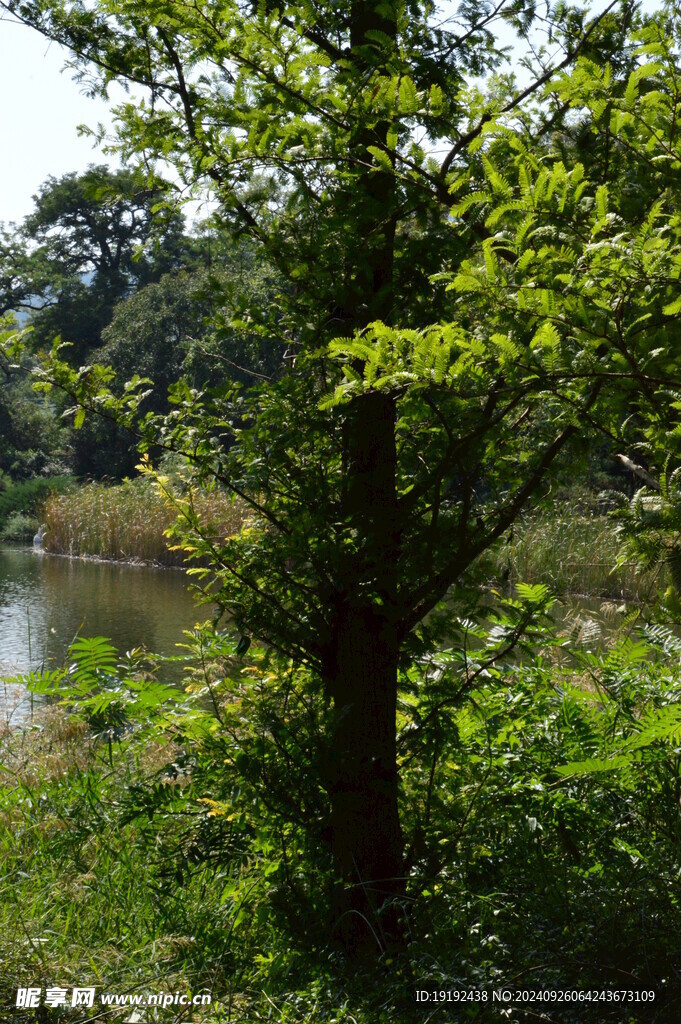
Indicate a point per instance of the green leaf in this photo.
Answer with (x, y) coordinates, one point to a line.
(381, 158)
(672, 308)
(533, 593)
(436, 99)
(602, 201)
(409, 99)
(594, 765)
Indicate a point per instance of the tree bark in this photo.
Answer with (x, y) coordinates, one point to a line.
(361, 673)
(361, 678)
(367, 839)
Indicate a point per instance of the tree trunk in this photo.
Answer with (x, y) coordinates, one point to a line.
(362, 680)
(361, 672)
(367, 839)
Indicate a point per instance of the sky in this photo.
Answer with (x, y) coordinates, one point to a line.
(41, 110)
(39, 117)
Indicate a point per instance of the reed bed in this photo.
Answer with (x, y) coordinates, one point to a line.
(573, 554)
(126, 522)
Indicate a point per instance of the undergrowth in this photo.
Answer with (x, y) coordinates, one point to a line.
(177, 840)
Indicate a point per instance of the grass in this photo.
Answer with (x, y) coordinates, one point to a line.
(79, 894)
(572, 553)
(127, 521)
(118, 874)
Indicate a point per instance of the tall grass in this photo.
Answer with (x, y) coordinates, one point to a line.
(79, 893)
(573, 553)
(127, 521)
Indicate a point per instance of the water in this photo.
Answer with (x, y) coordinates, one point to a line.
(46, 601)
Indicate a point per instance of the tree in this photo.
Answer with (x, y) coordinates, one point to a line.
(91, 239)
(33, 440)
(15, 286)
(416, 424)
(180, 326)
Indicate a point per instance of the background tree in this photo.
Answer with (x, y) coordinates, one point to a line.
(33, 441)
(101, 247)
(15, 278)
(182, 326)
(91, 240)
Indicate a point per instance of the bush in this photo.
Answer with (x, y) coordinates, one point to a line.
(28, 495)
(17, 528)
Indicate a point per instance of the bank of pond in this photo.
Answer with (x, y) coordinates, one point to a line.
(104, 549)
(572, 546)
(118, 522)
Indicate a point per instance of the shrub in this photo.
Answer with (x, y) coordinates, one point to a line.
(28, 495)
(17, 528)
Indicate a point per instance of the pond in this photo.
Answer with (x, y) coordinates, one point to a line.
(46, 601)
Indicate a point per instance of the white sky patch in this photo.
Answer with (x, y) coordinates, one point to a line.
(41, 110)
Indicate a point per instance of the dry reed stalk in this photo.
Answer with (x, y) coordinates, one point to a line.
(128, 521)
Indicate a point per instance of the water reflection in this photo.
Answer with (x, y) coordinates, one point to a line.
(46, 601)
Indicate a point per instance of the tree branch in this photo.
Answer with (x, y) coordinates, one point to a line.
(466, 139)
